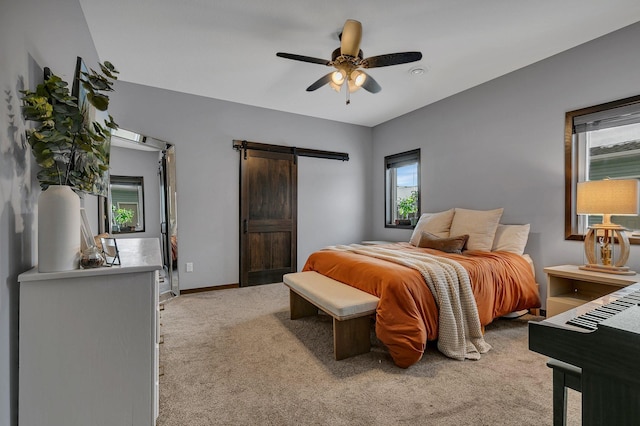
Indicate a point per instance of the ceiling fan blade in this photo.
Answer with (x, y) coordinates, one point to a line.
(350, 38)
(370, 85)
(390, 59)
(303, 58)
(320, 82)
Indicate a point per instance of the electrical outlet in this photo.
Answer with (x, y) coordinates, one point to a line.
(189, 266)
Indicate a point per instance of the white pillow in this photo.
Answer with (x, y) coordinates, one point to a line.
(480, 225)
(511, 238)
(434, 223)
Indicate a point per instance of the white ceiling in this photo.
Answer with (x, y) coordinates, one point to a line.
(226, 49)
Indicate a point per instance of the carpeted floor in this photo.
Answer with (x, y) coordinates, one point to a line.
(233, 357)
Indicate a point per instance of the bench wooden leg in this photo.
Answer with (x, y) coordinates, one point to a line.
(300, 307)
(351, 337)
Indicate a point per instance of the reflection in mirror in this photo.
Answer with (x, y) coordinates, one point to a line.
(135, 154)
(127, 204)
(110, 250)
(601, 142)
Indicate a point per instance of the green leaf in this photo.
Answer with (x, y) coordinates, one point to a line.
(69, 148)
(109, 70)
(97, 82)
(101, 102)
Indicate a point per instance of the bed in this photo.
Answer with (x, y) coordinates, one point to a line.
(500, 274)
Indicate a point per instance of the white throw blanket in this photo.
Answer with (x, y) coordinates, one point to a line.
(460, 332)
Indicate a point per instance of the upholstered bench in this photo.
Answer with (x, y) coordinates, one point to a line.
(350, 308)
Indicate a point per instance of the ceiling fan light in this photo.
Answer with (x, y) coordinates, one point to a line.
(359, 78)
(352, 85)
(335, 86)
(338, 77)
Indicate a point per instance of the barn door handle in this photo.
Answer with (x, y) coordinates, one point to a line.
(245, 226)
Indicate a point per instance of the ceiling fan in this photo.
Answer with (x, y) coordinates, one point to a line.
(348, 61)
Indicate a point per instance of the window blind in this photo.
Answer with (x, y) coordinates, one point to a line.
(614, 117)
(402, 159)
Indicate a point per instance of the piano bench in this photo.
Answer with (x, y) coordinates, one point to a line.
(564, 376)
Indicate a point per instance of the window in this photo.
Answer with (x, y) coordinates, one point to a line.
(127, 204)
(402, 189)
(601, 142)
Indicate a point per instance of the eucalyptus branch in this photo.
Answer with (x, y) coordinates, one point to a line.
(63, 142)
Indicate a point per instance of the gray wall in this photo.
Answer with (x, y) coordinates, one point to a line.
(33, 34)
(501, 144)
(333, 196)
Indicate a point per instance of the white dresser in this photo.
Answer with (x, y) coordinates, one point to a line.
(89, 342)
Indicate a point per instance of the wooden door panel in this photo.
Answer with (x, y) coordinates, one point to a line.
(268, 210)
(269, 250)
(269, 186)
(280, 247)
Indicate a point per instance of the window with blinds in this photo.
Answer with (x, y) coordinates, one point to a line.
(402, 189)
(604, 143)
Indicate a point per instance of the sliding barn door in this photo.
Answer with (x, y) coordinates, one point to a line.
(268, 216)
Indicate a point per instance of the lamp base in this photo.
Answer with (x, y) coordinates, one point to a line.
(618, 270)
(599, 248)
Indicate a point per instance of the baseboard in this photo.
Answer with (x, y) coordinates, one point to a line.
(213, 287)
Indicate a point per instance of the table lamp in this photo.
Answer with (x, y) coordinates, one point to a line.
(607, 197)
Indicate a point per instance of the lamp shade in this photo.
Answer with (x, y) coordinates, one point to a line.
(608, 197)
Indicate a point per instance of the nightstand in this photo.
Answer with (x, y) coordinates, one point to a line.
(568, 286)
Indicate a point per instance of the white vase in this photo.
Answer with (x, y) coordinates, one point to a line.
(58, 229)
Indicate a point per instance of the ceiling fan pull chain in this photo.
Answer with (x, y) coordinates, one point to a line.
(346, 86)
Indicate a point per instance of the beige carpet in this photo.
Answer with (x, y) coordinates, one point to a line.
(233, 357)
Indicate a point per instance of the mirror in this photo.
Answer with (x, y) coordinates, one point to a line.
(142, 198)
(601, 141)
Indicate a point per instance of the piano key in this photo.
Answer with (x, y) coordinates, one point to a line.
(590, 317)
(582, 318)
(583, 324)
(595, 316)
(606, 308)
(618, 305)
(605, 315)
(600, 314)
(624, 305)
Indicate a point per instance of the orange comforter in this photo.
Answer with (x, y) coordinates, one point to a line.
(407, 316)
